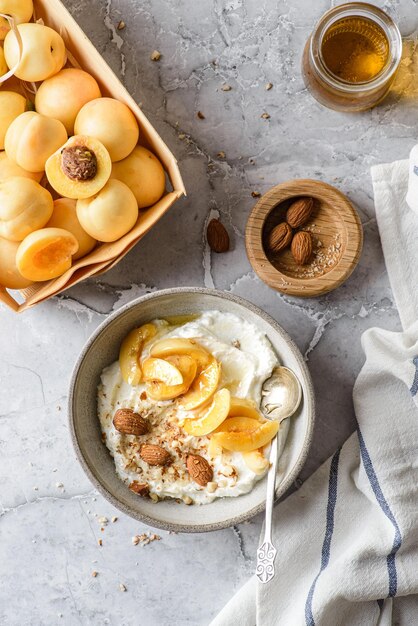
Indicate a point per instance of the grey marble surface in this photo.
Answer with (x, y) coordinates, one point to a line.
(49, 526)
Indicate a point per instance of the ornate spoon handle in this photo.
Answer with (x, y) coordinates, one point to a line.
(266, 553)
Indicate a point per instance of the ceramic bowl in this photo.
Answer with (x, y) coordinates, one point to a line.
(102, 349)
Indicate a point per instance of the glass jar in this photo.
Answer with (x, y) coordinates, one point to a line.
(351, 57)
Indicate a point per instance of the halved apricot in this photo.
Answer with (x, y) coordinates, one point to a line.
(80, 168)
(180, 345)
(245, 441)
(9, 168)
(188, 368)
(212, 418)
(238, 424)
(46, 253)
(164, 371)
(243, 407)
(131, 350)
(256, 461)
(203, 387)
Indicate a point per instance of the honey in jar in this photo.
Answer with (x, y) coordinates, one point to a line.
(351, 57)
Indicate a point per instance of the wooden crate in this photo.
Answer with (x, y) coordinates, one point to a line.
(82, 53)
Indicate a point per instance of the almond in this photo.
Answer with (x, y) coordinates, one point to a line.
(141, 489)
(217, 236)
(128, 422)
(199, 469)
(299, 212)
(302, 247)
(154, 455)
(280, 237)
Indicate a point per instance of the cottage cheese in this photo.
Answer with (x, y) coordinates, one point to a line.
(247, 360)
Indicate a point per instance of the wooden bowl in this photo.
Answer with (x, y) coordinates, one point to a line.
(336, 230)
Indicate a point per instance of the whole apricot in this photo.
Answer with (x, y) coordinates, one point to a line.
(24, 207)
(43, 52)
(20, 10)
(46, 254)
(11, 106)
(10, 277)
(64, 94)
(144, 175)
(9, 168)
(80, 168)
(112, 123)
(65, 216)
(32, 138)
(3, 64)
(109, 214)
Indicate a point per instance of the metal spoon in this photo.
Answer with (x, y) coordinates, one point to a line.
(281, 396)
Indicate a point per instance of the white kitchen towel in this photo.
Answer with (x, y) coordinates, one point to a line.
(347, 541)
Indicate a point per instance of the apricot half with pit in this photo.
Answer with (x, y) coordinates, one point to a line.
(110, 214)
(65, 216)
(111, 122)
(144, 175)
(32, 138)
(11, 106)
(20, 10)
(46, 254)
(25, 206)
(10, 277)
(64, 94)
(43, 52)
(9, 168)
(80, 168)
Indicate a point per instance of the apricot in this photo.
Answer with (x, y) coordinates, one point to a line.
(212, 418)
(246, 440)
(131, 350)
(10, 277)
(43, 53)
(110, 214)
(203, 387)
(9, 168)
(32, 138)
(46, 254)
(144, 175)
(112, 123)
(25, 206)
(187, 367)
(245, 408)
(164, 371)
(256, 461)
(11, 106)
(179, 345)
(3, 64)
(64, 94)
(80, 168)
(20, 10)
(65, 216)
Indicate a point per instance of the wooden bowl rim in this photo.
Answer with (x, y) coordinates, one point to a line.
(293, 285)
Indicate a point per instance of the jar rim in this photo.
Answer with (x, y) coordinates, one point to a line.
(376, 15)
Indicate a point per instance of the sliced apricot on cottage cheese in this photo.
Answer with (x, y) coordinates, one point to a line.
(46, 253)
(245, 440)
(158, 390)
(162, 370)
(243, 407)
(256, 461)
(212, 418)
(181, 345)
(203, 387)
(131, 350)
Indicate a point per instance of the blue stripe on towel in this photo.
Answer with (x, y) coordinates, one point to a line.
(414, 387)
(329, 529)
(397, 540)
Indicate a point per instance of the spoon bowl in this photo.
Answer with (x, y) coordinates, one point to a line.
(281, 394)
